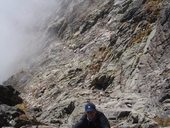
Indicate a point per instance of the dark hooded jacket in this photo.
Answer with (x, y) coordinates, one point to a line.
(100, 121)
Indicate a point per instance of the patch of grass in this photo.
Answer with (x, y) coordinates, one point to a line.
(26, 116)
(22, 107)
(101, 55)
(164, 122)
(140, 35)
(95, 67)
(153, 8)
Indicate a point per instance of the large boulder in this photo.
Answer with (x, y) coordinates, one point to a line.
(10, 113)
(9, 96)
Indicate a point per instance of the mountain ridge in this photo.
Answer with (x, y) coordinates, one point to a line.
(114, 53)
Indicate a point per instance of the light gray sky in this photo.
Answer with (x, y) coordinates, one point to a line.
(21, 24)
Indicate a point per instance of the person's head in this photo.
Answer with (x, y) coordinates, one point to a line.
(90, 110)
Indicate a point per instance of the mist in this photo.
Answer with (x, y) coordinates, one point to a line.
(21, 32)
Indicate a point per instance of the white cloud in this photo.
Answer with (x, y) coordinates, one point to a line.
(20, 31)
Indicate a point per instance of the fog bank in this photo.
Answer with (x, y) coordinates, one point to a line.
(21, 23)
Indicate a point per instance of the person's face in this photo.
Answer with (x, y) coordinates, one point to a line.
(91, 115)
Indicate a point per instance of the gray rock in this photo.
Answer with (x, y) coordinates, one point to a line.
(113, 53)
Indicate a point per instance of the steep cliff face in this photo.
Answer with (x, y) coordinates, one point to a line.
(112, 52)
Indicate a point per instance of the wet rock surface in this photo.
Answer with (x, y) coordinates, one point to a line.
(113, 53)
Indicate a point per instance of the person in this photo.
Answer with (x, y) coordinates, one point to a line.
(92, 118)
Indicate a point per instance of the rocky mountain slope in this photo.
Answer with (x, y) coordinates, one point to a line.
(114, 53)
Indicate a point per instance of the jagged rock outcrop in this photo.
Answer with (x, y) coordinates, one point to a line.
(13, 111)
(9, 113)
(9, 96)
(112, 52)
